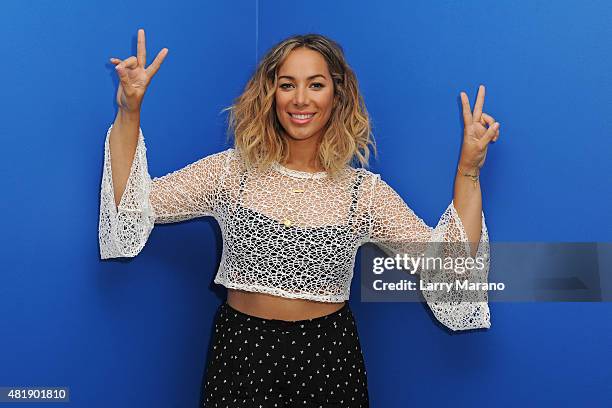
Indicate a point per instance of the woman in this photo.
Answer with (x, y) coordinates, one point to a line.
(293, 212)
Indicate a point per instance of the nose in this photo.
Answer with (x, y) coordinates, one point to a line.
(300, 97)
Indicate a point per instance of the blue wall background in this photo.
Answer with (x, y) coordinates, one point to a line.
(135, 332)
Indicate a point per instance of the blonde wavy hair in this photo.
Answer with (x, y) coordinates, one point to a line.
(257, 131)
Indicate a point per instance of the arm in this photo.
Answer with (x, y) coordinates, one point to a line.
(467, 199)
(476, 138)
(123, 140)
(190, 192)
(398, 230)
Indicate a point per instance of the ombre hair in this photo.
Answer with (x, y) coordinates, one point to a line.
(258, 132)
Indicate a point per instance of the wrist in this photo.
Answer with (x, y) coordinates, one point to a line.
(129, 116)
(468, 169)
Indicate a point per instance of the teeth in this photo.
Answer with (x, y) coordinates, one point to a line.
(302, 116)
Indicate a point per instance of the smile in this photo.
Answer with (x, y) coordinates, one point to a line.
(301, 119)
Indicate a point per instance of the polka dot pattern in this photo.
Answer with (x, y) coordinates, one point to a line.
(256, 362)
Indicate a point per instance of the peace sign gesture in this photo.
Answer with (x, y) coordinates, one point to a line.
(476, 136)
(134, 77)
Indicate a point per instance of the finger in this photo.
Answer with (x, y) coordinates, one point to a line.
(479, 103)
(488, 119)
(141, 49)
(467, 111)
(489, 135)
(154, 67)
(123, 67)
(115, 61)
(131, 62)
(122, 73)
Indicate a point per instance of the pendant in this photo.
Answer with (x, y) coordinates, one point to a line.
(287, 222)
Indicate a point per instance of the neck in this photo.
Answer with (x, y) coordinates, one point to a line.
(303, 155)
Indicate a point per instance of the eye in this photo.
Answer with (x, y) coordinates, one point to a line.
(320, 85)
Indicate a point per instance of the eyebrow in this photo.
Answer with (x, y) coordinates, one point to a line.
(309, 78)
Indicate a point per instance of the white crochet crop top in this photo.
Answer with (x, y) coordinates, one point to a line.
(275, 241)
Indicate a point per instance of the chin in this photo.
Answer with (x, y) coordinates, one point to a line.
(301, 135)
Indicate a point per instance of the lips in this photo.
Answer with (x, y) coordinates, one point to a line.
(301, 121)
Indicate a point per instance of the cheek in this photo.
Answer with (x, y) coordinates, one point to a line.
(330, 100)
(327, 104)
(281, 103)
(279, 109)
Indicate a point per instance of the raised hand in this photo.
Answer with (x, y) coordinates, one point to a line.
(476, 134)
(134, 78)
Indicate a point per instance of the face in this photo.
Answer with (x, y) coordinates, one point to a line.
(304, 88)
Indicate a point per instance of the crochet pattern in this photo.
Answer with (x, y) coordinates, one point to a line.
(299, 245)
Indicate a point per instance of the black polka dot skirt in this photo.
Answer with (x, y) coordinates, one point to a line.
(268, 363)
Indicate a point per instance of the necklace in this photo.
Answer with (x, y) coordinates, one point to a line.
(288, 220)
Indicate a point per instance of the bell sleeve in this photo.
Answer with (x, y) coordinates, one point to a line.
(396, 229)
(187, 193)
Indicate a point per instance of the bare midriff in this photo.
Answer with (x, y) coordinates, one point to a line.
(279, 308)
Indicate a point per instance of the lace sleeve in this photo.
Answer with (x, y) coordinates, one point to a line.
(396, 229)
(180, 195)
